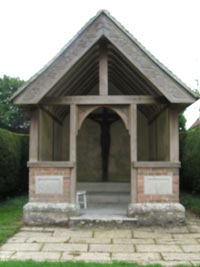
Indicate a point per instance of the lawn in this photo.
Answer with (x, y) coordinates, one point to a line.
(191, 202)
(10, 217)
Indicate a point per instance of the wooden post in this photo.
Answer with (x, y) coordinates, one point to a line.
(72, 151)
(103, 69)
(34, 136)
(173, 135)
(133, 150)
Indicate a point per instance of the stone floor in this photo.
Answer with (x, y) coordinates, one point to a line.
(103, 214)
(167, 246)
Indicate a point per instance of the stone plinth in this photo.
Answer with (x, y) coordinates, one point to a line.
(50, 193)
(50, 181)
(157, 213)
(157, 182)
(38, 213)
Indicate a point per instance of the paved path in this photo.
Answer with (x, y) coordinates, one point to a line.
(167, 246)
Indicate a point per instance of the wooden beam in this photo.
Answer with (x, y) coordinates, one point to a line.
(157, 113)
(72, 151)
(133, 150)
(50, 164)
(103, 69)
(73, 130)
(173, 134)
(34, 136)
(133, 131)
(103, 100)
(53, 116)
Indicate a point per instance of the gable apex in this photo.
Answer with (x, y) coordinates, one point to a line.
(103, 25)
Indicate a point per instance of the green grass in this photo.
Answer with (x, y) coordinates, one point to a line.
(73, 264)
(10, 217)
(191, 202)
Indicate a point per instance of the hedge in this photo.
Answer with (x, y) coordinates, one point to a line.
(190, 159)
(13, 161)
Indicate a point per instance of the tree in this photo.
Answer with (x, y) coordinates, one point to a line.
(11, 117)
(182, 122)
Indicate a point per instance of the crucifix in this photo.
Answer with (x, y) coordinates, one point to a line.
(105, 119)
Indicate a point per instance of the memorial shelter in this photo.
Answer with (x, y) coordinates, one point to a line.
(104, 112)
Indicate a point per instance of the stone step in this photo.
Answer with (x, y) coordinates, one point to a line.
(104, 187)
(106, 192)
(108, 197)
(102, 221)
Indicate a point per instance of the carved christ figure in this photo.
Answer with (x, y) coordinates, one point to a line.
(105, 119)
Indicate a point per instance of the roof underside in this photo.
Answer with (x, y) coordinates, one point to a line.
(83, 77)
(123, 79)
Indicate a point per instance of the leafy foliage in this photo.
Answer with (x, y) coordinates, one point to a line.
(182, 122)
(11, 117)
(191, 202)
(190, 156)
(13, 158)
(197, 92)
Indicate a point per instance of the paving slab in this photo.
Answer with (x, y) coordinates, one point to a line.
(32, 229)
(133, 241)
(136, 257)
(17, 240)
(140, 234)
(191, 248)
(194, 228)
(158, 248)
(5, 255)
(89, 240)
(49, 229)
(129, 248)
(70, 233)
(27, 234)
(171, 230)
(87, 256)
(49, 239)
(180, 241)
(37, 256)
(181, 256)
(113, 233)
(167, 246)
(190, 235)
(21, 247)
(143, 229)
(65, 247)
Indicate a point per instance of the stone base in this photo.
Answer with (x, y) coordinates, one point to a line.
(157, 213)
(40, 213)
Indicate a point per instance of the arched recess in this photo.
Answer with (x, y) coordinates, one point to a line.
(115, 156)
(122, 111)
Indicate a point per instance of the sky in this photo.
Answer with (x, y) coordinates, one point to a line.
(33, 32)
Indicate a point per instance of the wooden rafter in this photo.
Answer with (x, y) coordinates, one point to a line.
(103, 68)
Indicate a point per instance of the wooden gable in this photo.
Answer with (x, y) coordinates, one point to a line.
(132, 70)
